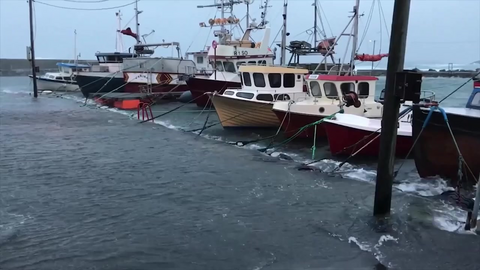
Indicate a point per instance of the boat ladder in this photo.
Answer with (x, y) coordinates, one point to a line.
(146, 109)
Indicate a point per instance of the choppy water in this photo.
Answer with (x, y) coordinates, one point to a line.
(83, 187)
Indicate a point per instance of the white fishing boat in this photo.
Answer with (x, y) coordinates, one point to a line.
(63, 80)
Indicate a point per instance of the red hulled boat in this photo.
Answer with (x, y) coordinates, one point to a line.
(326, 95)
(348, 134)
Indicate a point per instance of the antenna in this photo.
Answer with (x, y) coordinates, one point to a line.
(265, 7)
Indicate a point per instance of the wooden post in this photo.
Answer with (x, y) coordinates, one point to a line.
(385, 173)
(32, 50)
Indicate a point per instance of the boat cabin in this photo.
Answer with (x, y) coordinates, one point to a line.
(200, 59)
(228, 57)
(110, 58)
(334, 86)
(66, 72)
(268, 84)
(70, 68)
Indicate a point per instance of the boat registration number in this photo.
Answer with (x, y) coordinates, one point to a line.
(240, 53)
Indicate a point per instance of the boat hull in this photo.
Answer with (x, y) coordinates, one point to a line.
(345, 140)
(242, 113)
(166, 90)
(91, 85)
(294, 122)
(435, 152)
(199, 86)
(56, 85)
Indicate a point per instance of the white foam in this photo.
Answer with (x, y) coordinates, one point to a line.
(375, 250)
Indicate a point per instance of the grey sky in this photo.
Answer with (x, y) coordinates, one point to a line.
(440, 31)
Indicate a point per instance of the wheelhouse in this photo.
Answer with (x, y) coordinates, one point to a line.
(269, 84)
(116, 57)
(335, 87)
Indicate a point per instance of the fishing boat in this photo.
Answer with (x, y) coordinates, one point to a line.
(327, 92)
(227, 54)
(436, 152)
(251, 105)
(64, 80)
(166, 75)
(105, 77)
(204, 69)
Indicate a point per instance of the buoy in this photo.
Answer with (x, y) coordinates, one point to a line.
(47, 92)
(185, 97)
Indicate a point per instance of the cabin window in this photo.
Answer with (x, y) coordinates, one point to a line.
(347, 87)
(275, 80)
(330, 90)
(259, 79)
(282, 97)
(228, 93)
(59, 78)
(245, 95)
(229, 67)
(199, 59)
(315, 89)
(240, 63)
(262, 63)
(252, 63)
(246, 79)
(476, 100)
(265, 97)
(363, 89)
(288, 80)
(219, 66)
(113, 59)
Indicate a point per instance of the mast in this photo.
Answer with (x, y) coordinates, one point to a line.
(118, 40)
(247, 2)
(355, 35)
(284, 34)
(137, 25)
(75, 47)
(32, 50)
(226, 7)
(264, 14)
(315, 41)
